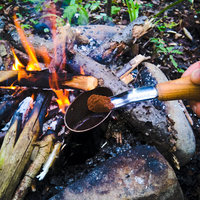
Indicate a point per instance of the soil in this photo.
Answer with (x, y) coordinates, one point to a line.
(119, 137)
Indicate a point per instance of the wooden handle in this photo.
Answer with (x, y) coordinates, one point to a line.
(181, 88)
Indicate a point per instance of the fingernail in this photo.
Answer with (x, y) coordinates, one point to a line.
(196, 73)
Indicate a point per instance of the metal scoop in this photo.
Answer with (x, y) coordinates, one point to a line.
(181, 88)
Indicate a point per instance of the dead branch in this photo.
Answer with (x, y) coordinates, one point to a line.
(113, 47)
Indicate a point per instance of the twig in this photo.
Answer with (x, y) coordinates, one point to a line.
(186, 112)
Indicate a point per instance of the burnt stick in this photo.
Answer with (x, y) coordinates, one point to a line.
(41, 79)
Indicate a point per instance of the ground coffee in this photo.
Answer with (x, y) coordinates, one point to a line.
(99, 103)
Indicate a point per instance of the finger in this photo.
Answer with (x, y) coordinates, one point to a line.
(195, 77)
(195, 107)
(193, 67)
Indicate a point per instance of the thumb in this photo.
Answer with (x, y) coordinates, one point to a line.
(195, 76)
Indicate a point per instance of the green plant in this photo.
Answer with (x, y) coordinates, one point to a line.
(78, 10)
(133, 9)
(164, 26)
(115, 10)
(162, 48)
(26, 26)
(104, 16)
(92, 5)
(149, 5)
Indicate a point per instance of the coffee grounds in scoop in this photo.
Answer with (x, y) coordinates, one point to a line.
(99, 103)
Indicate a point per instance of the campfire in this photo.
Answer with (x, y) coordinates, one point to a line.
(44, 80)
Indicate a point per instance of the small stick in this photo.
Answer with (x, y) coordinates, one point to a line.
(186, 113)
(131, 65)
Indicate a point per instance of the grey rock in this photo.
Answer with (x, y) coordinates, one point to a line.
(139, 174)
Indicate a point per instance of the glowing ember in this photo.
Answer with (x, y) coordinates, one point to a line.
(33, 63)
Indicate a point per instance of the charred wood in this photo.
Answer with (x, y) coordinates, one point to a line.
(113, 47)
(44, 79)
(9, 105)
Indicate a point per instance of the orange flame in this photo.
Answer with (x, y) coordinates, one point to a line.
(62, 99)
(17, 65)
(33, 63)
(82, 71)
(62, 96)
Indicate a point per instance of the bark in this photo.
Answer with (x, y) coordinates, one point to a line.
(113, 47)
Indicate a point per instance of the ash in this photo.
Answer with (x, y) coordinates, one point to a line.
(86, 49)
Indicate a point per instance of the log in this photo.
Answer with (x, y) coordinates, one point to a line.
(14, 130)
(13, 168)
(45, 147)
(41, 79)
(113, 47)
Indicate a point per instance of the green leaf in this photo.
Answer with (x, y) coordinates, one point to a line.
(95, 6)
(161, 28)
(115, 10)
(173, 61)
(169, 49)
(162, 49)
(87, 5)
(180, 70)
(33, 21)
(70, 11)
(177, 51)
(83, 18)
(155, 40)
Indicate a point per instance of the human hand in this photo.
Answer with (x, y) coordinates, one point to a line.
(194, 71)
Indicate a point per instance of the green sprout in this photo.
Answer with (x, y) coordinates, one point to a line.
(162, 48)
(133, 9)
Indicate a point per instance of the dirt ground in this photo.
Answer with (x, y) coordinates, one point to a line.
(168, 31)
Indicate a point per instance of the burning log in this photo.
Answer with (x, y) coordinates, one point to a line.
(12, 168)
(112, 48)
(41, 79)
(159, 123)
